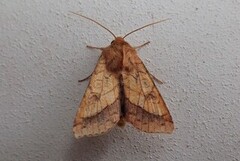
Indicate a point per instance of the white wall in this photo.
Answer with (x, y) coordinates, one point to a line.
(43, 54)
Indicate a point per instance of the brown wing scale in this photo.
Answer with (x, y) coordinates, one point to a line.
(99, 110)
(145, 107)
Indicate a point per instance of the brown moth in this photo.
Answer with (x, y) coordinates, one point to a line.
(121, 90)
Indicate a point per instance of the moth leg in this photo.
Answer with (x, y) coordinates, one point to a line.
(156, 79)
(82, 80)
(91, 47)
(140, 46)
(94, 47)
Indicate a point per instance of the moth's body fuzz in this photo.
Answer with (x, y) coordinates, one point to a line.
(115, 54)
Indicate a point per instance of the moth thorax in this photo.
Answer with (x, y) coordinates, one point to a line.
(114, 58)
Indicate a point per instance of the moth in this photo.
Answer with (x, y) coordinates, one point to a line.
(121, 90)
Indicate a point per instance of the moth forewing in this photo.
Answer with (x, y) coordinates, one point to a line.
(143, 98)
(121, 89)
(97, 113)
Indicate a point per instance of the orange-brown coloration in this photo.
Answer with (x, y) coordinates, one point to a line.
(113, 55)
(100, 109)
(121, 89)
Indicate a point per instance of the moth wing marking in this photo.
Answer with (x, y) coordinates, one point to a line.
(99, 110)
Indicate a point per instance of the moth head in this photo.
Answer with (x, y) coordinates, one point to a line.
(118, 41)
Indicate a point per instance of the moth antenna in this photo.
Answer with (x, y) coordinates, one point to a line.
(145, 26)
(94, 22)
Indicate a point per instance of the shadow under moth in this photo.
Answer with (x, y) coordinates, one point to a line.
(121, 90)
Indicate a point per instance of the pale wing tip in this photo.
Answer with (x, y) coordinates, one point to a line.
(79, 132)
(81, 135)
(169, 127)
(77, 136)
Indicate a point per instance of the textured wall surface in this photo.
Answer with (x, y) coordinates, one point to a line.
(43, 54)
